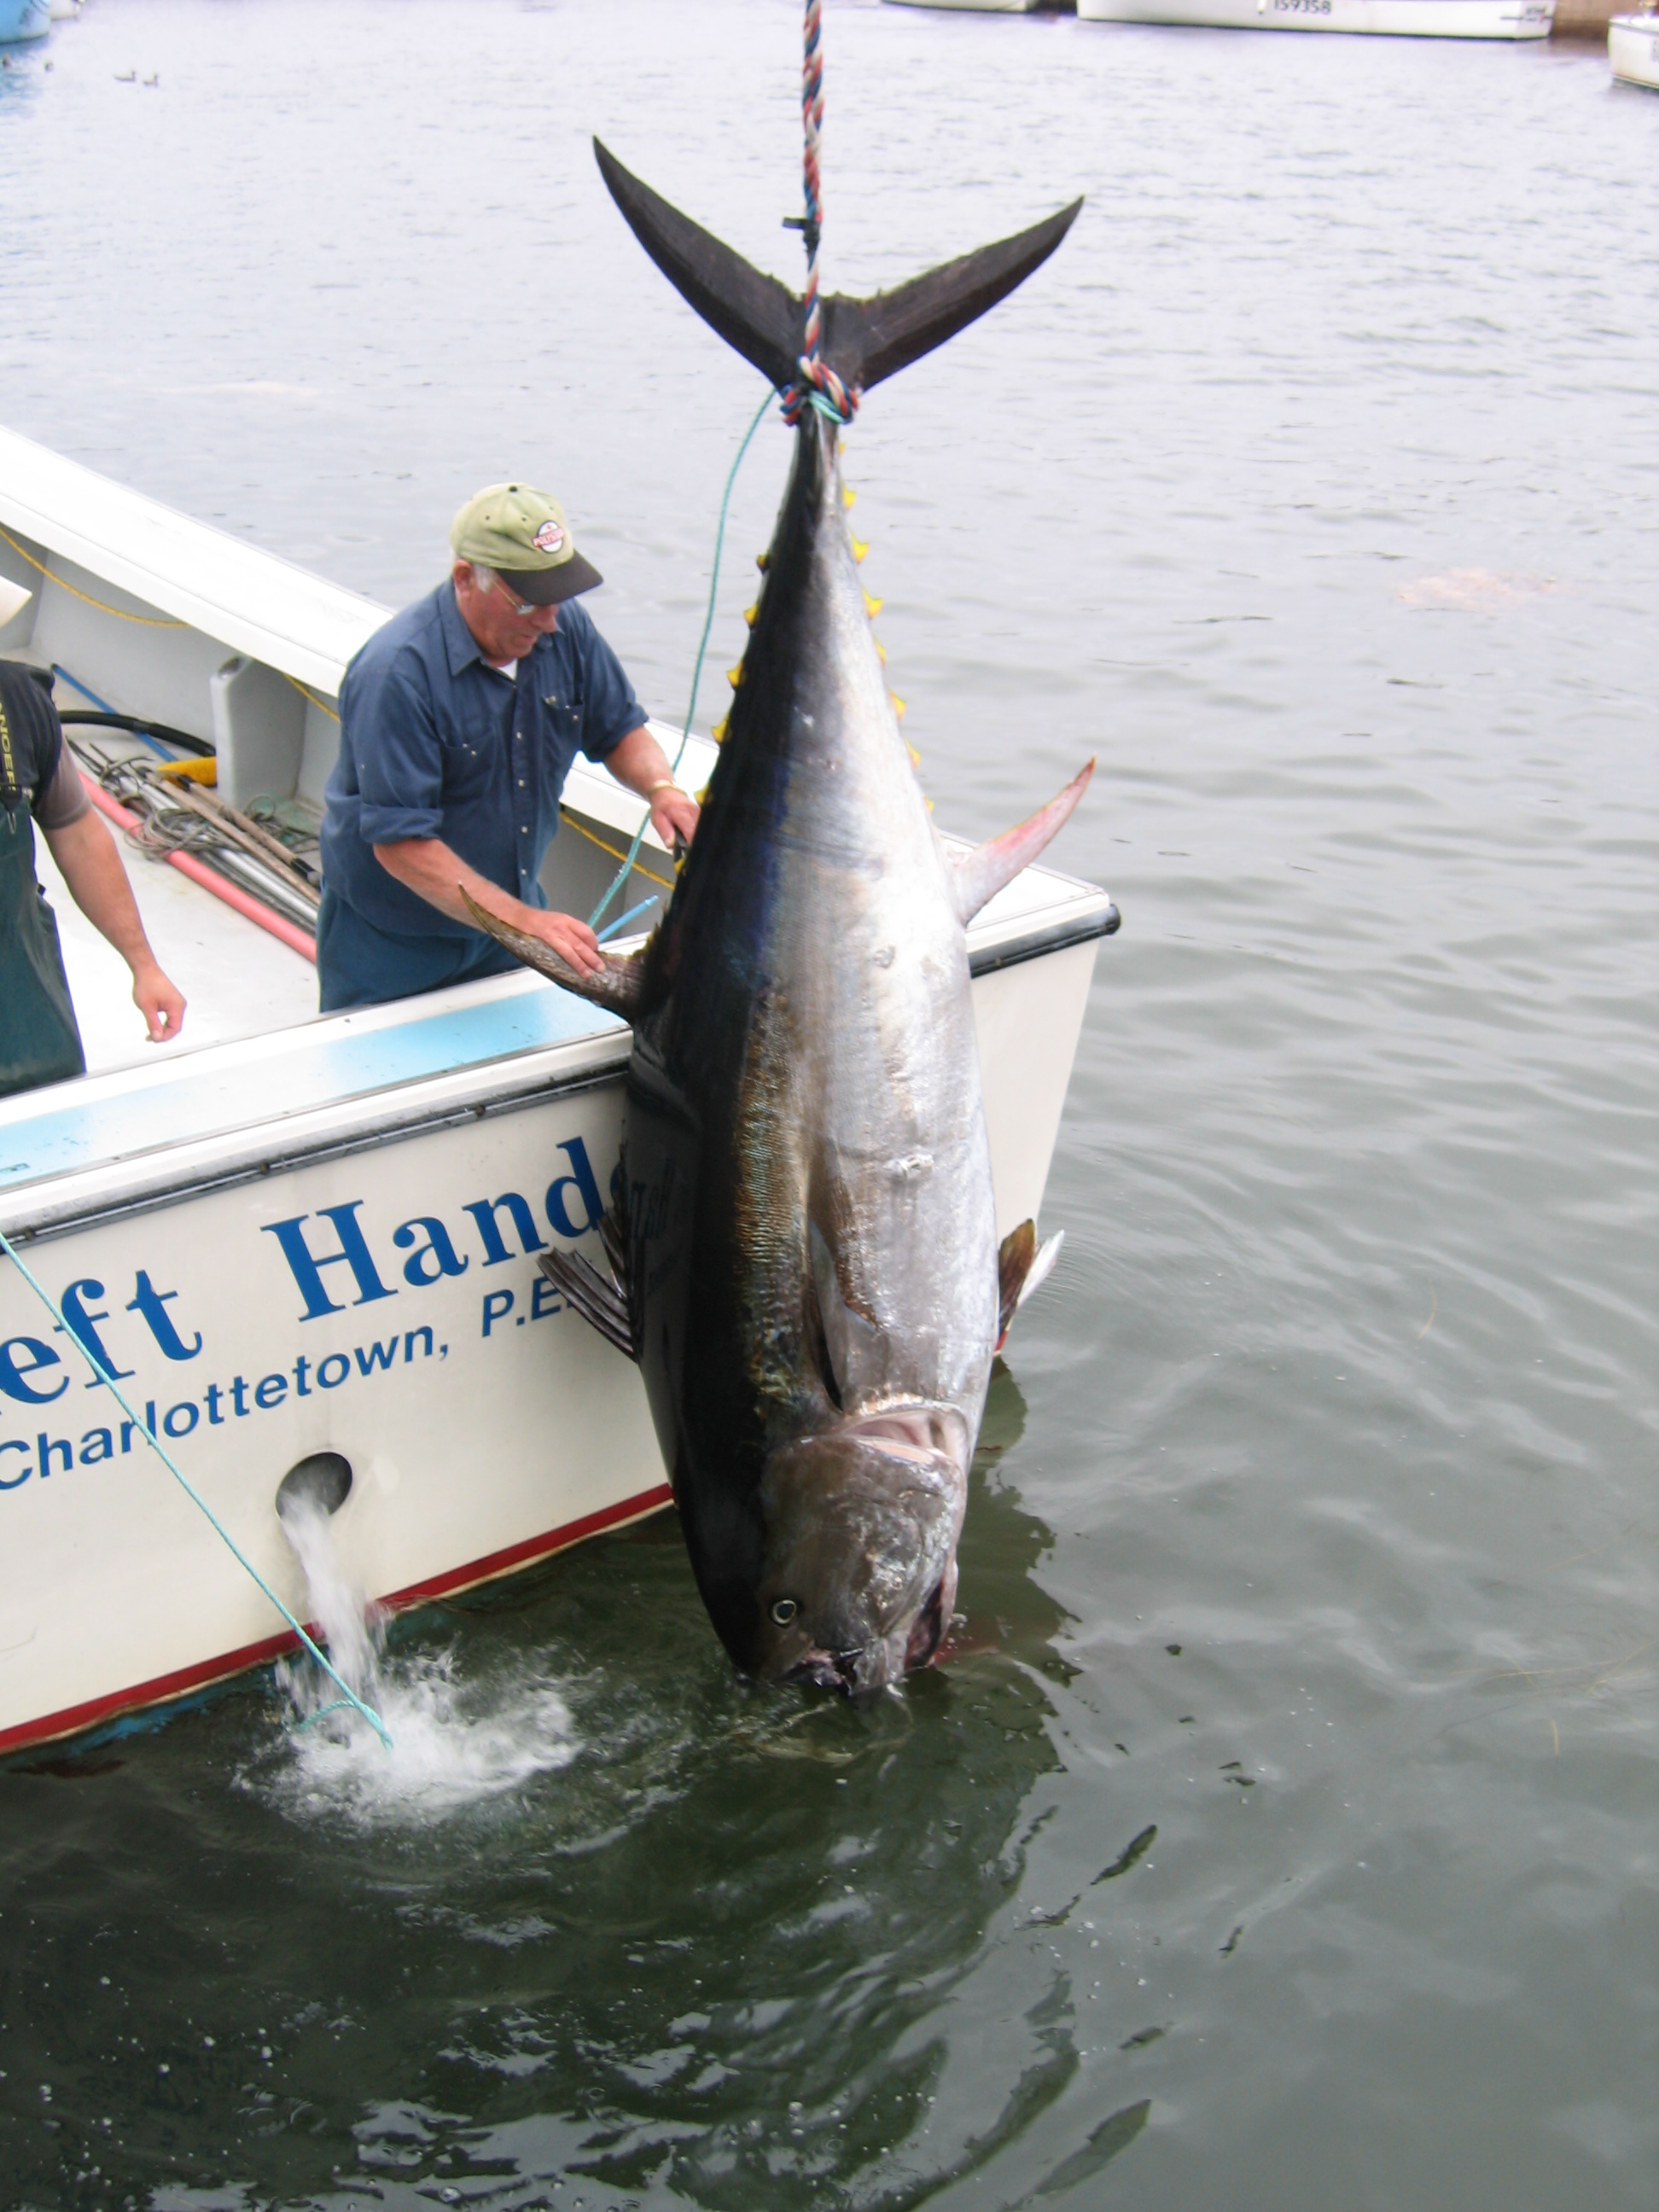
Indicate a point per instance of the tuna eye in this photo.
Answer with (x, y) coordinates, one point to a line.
(784, 1610)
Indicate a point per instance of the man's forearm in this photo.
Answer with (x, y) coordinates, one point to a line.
(89, 864)
(638, 761)
(435, 871)
(438, 874)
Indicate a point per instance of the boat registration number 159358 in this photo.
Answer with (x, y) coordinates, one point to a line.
(1302, 7)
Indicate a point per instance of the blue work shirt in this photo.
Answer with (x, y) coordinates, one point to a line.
(436, 743)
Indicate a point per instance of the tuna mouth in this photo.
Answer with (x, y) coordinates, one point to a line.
(925, 1631)
(861, 1672)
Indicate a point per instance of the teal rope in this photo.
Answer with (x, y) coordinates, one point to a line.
(697, 673)
(196, 1499)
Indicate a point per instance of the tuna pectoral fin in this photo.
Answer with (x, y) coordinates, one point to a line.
(981, 874)
(619, 986)
(863, 340)
(852, 1340)
(1022, 1267)
(601, 1304)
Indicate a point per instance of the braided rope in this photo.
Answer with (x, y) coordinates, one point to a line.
(817, 383)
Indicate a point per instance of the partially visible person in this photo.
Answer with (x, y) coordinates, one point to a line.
(39, 1036)
(459, 724)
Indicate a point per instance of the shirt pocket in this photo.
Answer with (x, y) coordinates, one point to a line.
(474, 759)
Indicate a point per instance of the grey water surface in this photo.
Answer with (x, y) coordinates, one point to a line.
(1283, 1831)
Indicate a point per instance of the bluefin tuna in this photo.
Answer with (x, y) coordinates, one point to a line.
(801, 1253)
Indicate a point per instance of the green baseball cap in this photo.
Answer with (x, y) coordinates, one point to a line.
(523, 535)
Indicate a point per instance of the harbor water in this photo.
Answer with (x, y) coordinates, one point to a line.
(1281, 1831)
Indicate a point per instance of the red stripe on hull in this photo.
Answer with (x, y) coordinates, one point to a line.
(73, 1719)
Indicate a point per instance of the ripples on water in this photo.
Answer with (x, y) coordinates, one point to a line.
(1316, 1525)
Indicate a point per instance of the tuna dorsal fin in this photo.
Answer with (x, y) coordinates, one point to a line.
(619, 987)
(863, 340)
(1022, 1267)
(981, 874)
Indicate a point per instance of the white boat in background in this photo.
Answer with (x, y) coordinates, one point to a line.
(298, 1235)
(22, 19)
(1403, 19)
(1633, 49)
(975, 7)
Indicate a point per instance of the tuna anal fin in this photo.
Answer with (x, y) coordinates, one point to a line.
(619, 986)
(601, 1304)
(1022, 1267)
(981, 874)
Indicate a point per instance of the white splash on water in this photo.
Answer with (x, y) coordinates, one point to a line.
(455, 1743)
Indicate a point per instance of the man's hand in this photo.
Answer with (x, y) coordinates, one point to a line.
(674, 815)
(159, 1001)
(571, 939)
(638, 764)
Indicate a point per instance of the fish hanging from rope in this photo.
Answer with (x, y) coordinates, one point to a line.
(802, 1254)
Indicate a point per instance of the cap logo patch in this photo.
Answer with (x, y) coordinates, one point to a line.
(549, 538)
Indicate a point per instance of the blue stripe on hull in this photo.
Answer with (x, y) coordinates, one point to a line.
(317, 1071)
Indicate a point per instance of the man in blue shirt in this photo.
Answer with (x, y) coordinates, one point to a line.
(458, 723)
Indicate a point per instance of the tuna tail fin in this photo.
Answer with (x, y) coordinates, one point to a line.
(863, 340)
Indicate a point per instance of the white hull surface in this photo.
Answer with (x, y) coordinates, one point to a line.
(1406, 19)
(973, 7)
(320, 1234)
(1633, 49)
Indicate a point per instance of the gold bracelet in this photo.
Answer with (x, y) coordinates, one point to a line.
(662, 783)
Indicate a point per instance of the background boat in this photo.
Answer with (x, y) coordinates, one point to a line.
(1411, 19)
(20, 19)
(1633, 49)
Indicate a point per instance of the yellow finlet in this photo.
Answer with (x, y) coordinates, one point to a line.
(929, 804)
(848, 496)
(718, 733)
(859, 549)
(749, 614)
(915, 757)
(734, 676)
(873, 607)
(882, 652)
(898, 704)
(763, 562)
(204, 770)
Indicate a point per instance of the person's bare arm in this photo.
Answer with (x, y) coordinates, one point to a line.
(91, 865)
(638, 764)
(431, 868)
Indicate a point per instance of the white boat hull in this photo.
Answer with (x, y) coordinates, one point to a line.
(1633, 49)
(1409, 19)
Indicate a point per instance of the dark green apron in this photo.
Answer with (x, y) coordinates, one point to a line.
(39, 1038)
